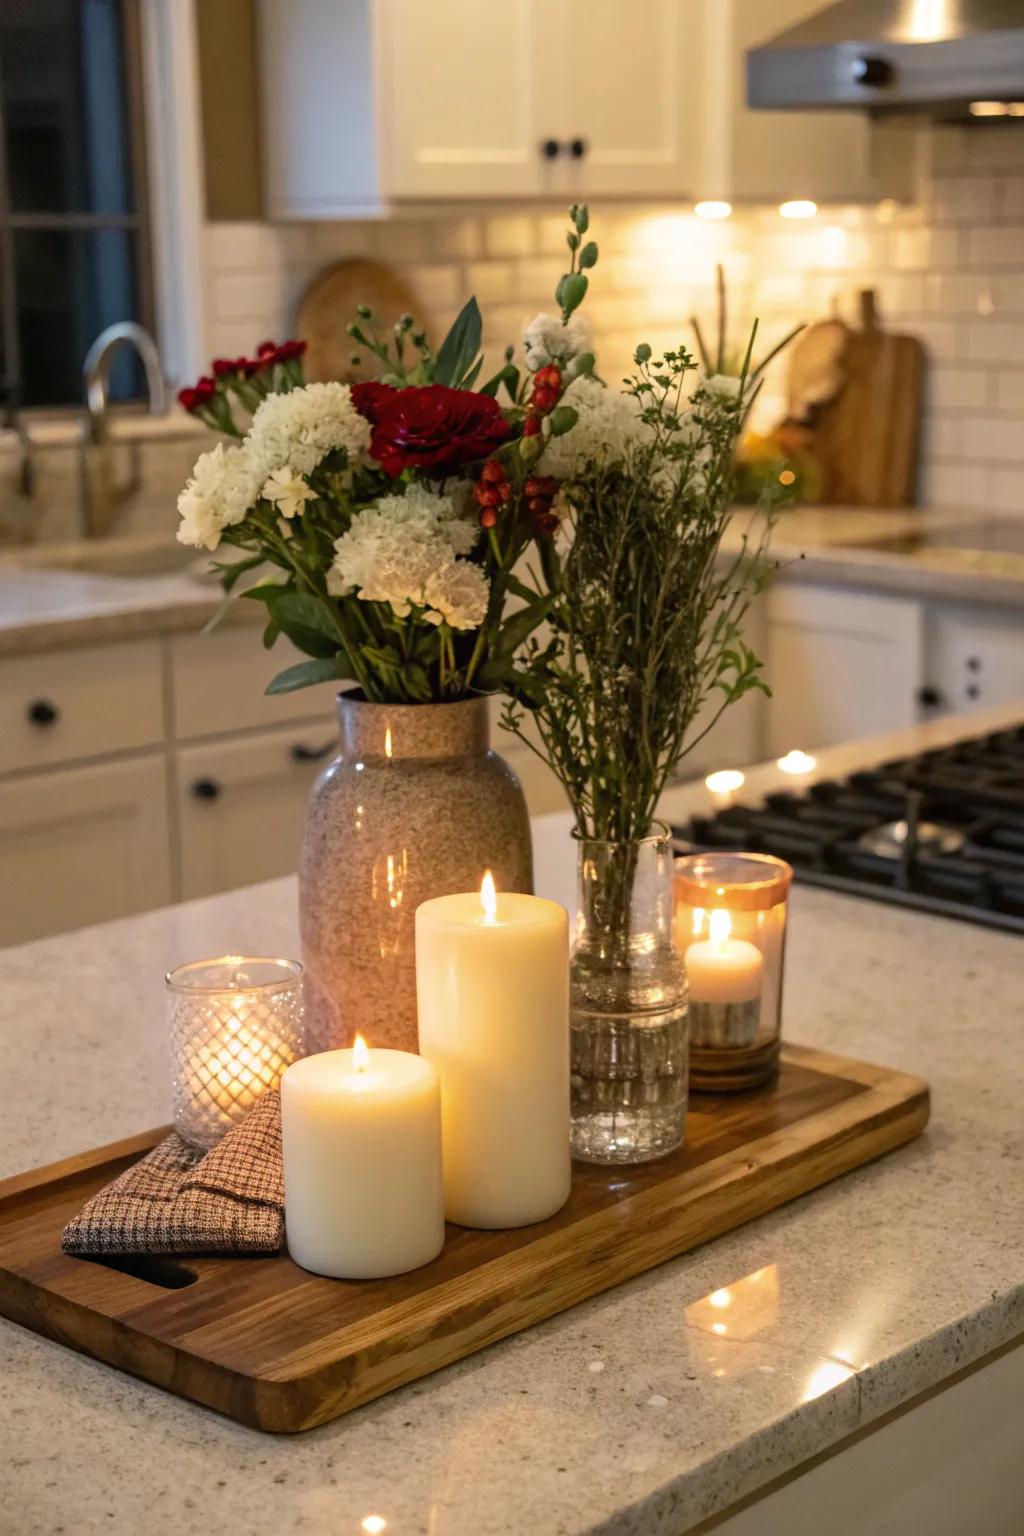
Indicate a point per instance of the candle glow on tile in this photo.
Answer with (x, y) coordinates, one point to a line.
(361, 1133)
(492, 974)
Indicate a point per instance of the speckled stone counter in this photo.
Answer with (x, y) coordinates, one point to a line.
(634, 1413)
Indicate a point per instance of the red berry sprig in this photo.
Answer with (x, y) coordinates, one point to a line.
(540, 492)
(491, 492)
(547, 389)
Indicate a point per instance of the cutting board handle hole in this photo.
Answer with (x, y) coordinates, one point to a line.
(149, 1267)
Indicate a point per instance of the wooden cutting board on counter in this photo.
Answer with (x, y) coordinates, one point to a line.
(867, 438)
(330, 302)
(283, 1350)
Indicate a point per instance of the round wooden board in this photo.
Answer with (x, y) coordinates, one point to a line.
(328, 305)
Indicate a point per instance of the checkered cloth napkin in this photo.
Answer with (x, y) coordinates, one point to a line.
(181, 1200)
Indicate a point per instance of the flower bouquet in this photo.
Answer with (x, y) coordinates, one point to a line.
(390, 514)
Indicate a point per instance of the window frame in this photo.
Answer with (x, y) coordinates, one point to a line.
(138, 223)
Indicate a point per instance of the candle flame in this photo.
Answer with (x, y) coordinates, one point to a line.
(488, 897)
(360, 1054)
(719, 925)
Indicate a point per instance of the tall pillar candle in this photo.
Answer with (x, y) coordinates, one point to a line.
(492, 977)
(361, 1134)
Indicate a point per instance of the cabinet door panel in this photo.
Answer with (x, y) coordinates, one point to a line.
(218, 684)
(615, 73)
(841, 665)
(242, 804)
(81, 845)
(460, 107)
(975, 659)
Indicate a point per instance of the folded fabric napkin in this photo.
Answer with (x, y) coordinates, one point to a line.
(179, 1199)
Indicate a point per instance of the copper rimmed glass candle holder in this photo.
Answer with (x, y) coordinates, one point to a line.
(730, 929)
(235, 1025)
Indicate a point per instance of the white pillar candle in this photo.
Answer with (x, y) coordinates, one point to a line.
(361, 1133)
(492, 979)
(721, 969)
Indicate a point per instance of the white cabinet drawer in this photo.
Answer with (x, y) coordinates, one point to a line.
(218, 683)
(242, 804)
(81, 845)
(56, 706)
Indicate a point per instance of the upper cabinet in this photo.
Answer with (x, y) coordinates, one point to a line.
(370, 102)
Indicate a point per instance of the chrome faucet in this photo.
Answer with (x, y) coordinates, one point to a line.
(101, 496)
(10, 421)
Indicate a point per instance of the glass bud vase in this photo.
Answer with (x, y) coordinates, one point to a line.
(628, 1003)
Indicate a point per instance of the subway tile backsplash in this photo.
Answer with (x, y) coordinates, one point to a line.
(949, 268)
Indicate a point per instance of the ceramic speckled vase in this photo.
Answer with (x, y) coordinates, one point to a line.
(416, 805)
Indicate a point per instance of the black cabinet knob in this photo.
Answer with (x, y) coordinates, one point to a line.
(973, 691)
(973, 663)
(206, 789)
(303, 754)
(577, 148)
(42, 712)
(871, 70)
(929, 698)
(550, 149)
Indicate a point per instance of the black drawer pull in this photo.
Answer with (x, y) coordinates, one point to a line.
(206, 789)
(303, 754)
(42, 712)
(550, 149)
(578, 148)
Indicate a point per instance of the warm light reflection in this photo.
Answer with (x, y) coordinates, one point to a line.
(740, 1310)
(387, 742)
(824, 1377)
(488, 897)
(930, 21)
(712, 208)
(798, 208)
(360, 1054)
(373, 1524)
(698, 922)
(989, 109)
(725, 781)
(797, 762)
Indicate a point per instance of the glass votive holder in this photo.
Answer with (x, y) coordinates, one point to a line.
(730, 929)
(235, 1025)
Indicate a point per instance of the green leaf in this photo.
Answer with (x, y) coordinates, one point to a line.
(507, 375)
(588, 255)
(228, 571)
(562, 419)
(305, 673)
(474, 373)
(580, 215)
(520, 626)
(571, 292)
(458, 352)
(306, 620)
(582, 364)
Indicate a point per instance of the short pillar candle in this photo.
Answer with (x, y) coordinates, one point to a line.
(361, 1134)
(492, 974)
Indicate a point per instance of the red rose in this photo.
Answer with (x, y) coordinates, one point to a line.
(201, 393)
(429, 426)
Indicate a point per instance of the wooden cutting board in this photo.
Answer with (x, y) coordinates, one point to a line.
(867, 438)
(283, 1350)
(330, 302)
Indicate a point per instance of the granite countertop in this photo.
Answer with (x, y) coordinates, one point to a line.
(63, 595)
(628, 1414)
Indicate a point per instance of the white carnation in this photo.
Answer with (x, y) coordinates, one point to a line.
(404, 551)
(546, 340)
(222, 489)
(457, 593)
(721, 386)
(288, 492)
(303, 426)
(608, 422)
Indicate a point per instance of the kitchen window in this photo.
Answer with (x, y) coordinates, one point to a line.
(74, 240)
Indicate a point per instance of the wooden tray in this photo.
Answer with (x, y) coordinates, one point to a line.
(283, 1350)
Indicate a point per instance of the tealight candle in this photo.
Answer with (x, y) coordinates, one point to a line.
(492, 975)
(721, 969)
(236, 1024)
(361, 1135)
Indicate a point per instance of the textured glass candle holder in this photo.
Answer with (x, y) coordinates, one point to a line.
(731, 922)
(628, 1005)
(235, 1025)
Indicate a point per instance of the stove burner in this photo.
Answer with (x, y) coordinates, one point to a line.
(895, 839)
(942, 832)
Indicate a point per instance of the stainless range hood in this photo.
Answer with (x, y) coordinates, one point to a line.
(935, 56)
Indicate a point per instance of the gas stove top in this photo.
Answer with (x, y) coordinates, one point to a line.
(941, 832)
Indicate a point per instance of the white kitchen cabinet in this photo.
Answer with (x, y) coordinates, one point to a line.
(975, 659)
(219, 681)
(841, 665)
(242, 803)
(369, 104)
(763, 156)
(81, 845)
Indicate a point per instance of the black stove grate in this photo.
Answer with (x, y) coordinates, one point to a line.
(974, 788)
